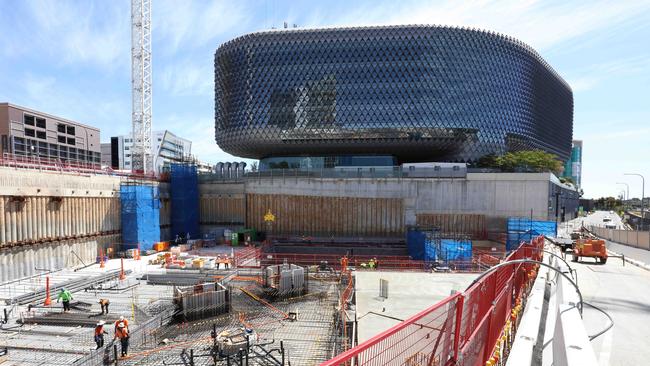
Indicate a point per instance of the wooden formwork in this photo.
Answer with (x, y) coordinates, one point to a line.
(326, 216)
(222, 209)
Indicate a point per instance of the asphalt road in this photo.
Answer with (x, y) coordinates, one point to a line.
(624, 292)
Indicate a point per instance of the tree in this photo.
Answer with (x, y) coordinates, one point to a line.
(536, 161)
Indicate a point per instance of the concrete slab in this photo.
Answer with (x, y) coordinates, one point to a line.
(408, 294)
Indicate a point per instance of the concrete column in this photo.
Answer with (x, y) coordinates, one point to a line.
(86, 215)
(58, 212)
(3, 239)
(27, 207)
(34, 217)
(38, 223)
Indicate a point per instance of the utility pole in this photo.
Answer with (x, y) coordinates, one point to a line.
(627, 197)
(642, 195)
(141, 83)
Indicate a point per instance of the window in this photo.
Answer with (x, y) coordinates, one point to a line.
(128, 155)
(60, 127)
(126, 148)
(61, 139)
(70, 130)
(41, 135)
(40, 122)
(29, 120)
(30, 132)
(71, 141)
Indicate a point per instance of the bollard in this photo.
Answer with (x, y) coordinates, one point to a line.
(48, 301)
(122, 276)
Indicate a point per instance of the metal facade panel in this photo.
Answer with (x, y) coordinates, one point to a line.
(419, 93)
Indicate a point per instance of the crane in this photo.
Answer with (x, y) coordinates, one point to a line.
(141, 83)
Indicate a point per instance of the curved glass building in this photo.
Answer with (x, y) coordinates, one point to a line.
(386, 95)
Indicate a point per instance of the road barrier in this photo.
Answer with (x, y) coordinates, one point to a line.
(473, 328)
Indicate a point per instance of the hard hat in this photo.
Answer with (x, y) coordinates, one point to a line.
(121, 317)
(101, 322)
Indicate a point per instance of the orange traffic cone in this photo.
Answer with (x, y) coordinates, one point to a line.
(122, 275)
(48, 301)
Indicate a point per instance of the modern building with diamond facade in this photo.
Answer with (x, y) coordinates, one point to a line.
(386, 96)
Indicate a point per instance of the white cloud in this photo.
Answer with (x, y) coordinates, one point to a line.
(74, 32)
(193, 24)
(185, 78)
(542, 25)
(589, 77)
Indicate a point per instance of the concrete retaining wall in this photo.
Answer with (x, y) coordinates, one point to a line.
(26, 261)
(633, 238)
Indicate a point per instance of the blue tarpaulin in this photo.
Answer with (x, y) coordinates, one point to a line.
(140, 214)
(524, 229)
(449, 250)
(184, 186)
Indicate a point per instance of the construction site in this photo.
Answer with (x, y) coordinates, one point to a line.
(361, 260)
(219, 294)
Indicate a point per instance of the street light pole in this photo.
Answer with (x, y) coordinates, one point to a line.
(628, 189)
(642, 195)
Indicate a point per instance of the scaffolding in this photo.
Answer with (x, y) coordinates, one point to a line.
(184, 186)
(140, 215)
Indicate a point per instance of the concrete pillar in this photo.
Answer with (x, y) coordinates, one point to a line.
(3, 239)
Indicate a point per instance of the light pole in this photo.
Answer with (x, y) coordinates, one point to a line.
(642, 194)
(628, 189)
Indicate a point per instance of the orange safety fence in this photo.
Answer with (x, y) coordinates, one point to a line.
(469, 328)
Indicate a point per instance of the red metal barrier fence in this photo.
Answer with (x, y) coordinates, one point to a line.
(471, 328)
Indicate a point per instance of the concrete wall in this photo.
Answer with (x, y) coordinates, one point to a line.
(633, 238)
(492, 196)
(222, 205)
(18, 262)
(45, 217)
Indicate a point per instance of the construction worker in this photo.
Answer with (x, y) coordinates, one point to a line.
(104, 304)
(376, 262)
(121, 320)
(99, 334)
(66, 296)
(371, 264)
(122, 332)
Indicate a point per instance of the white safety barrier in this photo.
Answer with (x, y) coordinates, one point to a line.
(565, 342)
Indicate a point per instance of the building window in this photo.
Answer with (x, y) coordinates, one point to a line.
(61, 139)
(70, 130)
(29, 120)
(30, 132)
(40, 122)
(60, 127)
(126, 148)
(71, 141)
(128, 155)
(41, 135)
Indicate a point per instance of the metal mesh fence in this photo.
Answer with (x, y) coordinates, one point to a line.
(463, 329)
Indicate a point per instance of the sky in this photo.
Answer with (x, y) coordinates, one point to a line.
(72, 59)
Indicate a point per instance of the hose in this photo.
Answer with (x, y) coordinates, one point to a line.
(608, 327)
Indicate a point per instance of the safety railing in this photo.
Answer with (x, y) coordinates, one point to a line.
(63, 165)
(469, 328)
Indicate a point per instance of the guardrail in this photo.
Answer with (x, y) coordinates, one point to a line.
(468, 328)
(64, 166)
